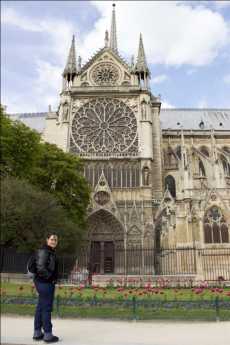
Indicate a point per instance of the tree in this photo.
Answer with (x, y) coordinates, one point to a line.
(50, 170)
(27, 214)
(61, 174)
(19, 147)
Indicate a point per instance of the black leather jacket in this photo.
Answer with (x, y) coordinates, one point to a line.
(46, 265)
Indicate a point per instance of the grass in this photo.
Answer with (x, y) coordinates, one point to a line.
(117, 309)
(123, 313)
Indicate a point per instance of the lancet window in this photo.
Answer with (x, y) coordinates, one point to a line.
(215, 226)
(122, 175)
(170, 160)
(178, 151)
(204, 150)
(171, 185)
(226, 166)
(202, 172)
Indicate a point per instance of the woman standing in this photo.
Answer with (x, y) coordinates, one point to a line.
(45, 278)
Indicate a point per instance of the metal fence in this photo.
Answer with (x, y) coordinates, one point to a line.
(128, 308)
(211, 264)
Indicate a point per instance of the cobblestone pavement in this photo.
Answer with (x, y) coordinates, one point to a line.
(18, 330)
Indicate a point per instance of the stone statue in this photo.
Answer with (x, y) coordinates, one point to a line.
(146, 175)
(65, 111)
(143, 110)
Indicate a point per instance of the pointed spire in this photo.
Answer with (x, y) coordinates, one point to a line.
(113, 33)
(106, 38)
(141, 65)
(184, 159)
(132, 61)
(71, 68)
(79, 63)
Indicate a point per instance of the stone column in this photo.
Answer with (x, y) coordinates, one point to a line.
(157, 148)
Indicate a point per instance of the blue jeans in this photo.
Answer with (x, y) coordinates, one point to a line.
(42, 318)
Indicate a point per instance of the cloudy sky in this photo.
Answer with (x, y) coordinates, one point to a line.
(187, 44)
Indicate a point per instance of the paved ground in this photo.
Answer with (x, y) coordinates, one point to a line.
(18, 330)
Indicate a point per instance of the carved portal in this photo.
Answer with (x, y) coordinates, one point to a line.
(106, 237)
(103, 226)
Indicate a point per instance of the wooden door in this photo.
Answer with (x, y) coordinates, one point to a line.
(95, 257)
(108, 257)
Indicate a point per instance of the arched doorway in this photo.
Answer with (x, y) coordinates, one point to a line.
(106, 239)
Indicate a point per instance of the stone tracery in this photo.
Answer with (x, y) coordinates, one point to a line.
(105, 74)
(104, 125)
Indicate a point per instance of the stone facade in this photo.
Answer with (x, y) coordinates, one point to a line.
(159, 179)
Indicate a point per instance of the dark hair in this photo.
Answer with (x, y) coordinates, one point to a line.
(49, 234)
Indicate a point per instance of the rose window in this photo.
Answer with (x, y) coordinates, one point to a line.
(104, 125)
(102, 198)
(105, 74)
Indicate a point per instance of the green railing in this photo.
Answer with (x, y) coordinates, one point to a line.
(131, 308)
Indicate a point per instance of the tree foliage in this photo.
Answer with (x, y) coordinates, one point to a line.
(48, 176)
(27, 214)
(60, 173)
(19, 147)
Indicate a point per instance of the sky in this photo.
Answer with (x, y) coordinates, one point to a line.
(187, 46)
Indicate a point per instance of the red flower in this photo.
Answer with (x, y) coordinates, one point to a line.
(120, 289)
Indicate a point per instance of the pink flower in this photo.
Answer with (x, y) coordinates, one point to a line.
(120, 289)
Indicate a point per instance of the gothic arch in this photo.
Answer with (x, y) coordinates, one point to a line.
(216, 229)
(105, 238)
(117, 174)
(225, 165)
(104, 226)
(226, 150)
(204, 150)
(170, 183)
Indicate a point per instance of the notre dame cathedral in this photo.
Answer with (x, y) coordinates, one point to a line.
(160, 178)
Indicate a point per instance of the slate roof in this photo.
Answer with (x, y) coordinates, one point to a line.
(171, 119)
(33, 120)
(195, 119)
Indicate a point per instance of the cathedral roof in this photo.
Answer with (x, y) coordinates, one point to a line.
(33, 120)
(171, 119)
(195, 119)
(101, 51)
